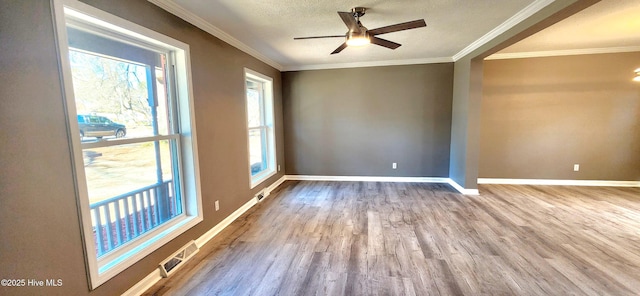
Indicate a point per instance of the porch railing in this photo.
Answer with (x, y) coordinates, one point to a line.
(120, 219)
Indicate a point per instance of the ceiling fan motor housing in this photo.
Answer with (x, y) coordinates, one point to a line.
(358, 11)
(358, 34)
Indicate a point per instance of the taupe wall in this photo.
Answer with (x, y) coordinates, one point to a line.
(467, 94)
(540, 116)
(357, 122)
(39, 224)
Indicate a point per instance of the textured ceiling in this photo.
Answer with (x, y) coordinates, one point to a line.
(269, 26)
(609, 24)
(266, 29)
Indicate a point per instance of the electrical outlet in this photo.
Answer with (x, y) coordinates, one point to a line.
(278, 168)
(217, 204)
(576, 167)
(394, 166)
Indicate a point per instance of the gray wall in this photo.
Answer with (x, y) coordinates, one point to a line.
(39, 224)
(542, 115)
(357, 122)
(463, 167)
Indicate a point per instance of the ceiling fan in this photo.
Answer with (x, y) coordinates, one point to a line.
(359, 35)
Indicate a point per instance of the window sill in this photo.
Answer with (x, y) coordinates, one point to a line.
(261, 177)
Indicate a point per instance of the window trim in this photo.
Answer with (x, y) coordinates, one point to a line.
(98, 270)
(267, 109)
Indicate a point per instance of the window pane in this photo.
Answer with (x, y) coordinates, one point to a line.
(112, 97)
(131, 191)
(253, 107)
(115, 170)
(259, 89)
(257, 155)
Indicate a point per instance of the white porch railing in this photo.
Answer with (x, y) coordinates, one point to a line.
(122, 218)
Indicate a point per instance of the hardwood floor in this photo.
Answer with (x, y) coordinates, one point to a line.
(369, 238)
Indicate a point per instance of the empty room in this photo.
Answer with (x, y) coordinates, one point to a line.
(445, 147)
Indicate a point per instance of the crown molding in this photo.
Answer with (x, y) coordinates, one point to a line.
(179, 11)
(522, 15)
(368, 64)
(562, 52)
(199, 22)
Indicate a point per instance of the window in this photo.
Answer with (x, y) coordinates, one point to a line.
(262, 152)
(130, 111)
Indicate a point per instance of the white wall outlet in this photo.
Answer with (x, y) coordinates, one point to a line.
(576, 167)
(394, 166)
(217, 204)
(278, 168)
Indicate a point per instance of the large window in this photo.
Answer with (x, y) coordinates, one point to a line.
(131, 128)
(262, 152)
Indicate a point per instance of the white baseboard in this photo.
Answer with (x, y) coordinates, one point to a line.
(207, 236)
(558, 182)
(385, 179)
(366, 179)
(144, 285)
(463, 190)
(272, 187)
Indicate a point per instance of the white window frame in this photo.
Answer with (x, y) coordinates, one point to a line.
(102, 269)
(268, 125)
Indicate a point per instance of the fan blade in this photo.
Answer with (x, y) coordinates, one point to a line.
(384, 42)
(318, 37)
(398, 27)
(340, 48)
(349, 20)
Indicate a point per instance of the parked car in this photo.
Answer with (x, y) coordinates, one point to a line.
(99, 126)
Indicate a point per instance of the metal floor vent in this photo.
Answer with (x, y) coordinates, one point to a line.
(260, 196)
(171, 264)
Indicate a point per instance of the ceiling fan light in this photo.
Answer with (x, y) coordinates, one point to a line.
(360, 41)
(358, 38)
(637, 78)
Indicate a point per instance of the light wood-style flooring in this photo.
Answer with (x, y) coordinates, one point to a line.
(371, 238)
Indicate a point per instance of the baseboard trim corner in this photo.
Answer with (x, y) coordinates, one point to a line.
(463, 190)
(601, 183)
